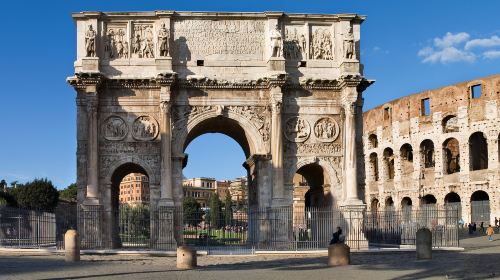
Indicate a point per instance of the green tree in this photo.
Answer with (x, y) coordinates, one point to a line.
(192, 211)
(215, 205)
(228, 208)
(37, 194)
(3, 185)
(69, 193)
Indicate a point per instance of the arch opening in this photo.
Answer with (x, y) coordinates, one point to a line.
(478, 150)
(406, 155)
(480, 207)
(450, 124)
(374, 205)
(373, 141)
(427, 153)
(311, 189)
(451, 156)
(389, 163)
(374, 167)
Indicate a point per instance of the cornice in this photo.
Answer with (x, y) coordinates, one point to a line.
(84, 80)
(208, 83)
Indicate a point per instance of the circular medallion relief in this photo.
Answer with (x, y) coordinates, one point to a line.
(114, 128)
(145, 128)
(326, 129)
(297, 129)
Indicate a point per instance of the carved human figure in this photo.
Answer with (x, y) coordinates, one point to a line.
(90, 41)
(163, 40)
(115, 129)
(136, 46)
(276, 42)
(148, 47)
(144, 128)
(349, 44)
(303, 44)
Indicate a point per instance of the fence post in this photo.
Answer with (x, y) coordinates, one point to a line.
(71, 246)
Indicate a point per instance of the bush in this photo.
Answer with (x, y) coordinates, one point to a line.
(192, 211)
(38, 194)
(69, 193)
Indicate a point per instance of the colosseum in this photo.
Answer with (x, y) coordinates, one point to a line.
(436, 148)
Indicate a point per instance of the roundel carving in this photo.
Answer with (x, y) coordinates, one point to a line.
(114, 128)
(297, 129)
(145, 128)
(326, 129)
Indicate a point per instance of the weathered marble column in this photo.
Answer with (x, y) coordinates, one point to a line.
(350, 155)
(166, 193)
(277, 145)
(92, 147)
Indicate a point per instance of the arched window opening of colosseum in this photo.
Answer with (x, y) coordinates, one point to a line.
(480, 207)
(389, 204)
(427, 153)
(130, 214)
(373, 141)
(453, 206)
(406, 207)
(389, 163)
(478, 150)
(406, 155)
(374, 166)
(428, 201)
(310, 189)
(451, 156)
(450, 124)
(374, 205)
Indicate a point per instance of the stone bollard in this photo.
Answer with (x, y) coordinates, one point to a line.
(71, 246)
(339, 254)
(424, 244)
(186, 258)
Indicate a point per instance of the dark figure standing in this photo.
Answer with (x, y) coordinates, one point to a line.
(481, 226)
(474, 227)
(471, 228)
(336, 236)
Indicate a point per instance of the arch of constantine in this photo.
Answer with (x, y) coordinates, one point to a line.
(438, 147)
(286, 87)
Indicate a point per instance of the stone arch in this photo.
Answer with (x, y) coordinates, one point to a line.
(373, 165)
(406, 202)
(227, 122)
(429, 199)
(450, 124)
(372, 141)
(480, 206)
(406, 155)
(133, 160)
(427, 153)
(389, 203)
(374, 204)
(389, 163)
(452, 197)
(478, 151)
(451, 156)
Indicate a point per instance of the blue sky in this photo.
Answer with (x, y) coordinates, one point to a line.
(407, 46)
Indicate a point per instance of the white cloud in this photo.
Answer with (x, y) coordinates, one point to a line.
(459, 47)
(493, 41)
(451, 39)
(491, 54)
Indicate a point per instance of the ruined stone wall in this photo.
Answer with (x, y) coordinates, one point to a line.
(436, 151)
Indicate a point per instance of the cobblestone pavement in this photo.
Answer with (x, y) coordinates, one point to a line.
(479, 260)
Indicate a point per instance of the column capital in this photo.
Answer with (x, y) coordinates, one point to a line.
(166, 79)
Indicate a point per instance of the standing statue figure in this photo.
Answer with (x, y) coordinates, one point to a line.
(163, 40)
(303, 45)
(90, 42)
(349, 44)
(276, 42)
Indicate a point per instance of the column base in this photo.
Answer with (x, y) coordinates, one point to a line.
(91, 201)
(353, 214)
(276, 64)
(163, 64)
(166, 202)
(90, 64)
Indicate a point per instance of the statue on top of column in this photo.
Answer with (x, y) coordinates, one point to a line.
(163, 40)
(276, 42)
(349, 44)
(90, 42)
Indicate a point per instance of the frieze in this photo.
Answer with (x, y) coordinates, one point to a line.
(326, 129)
(297, 129)
(116, 43)
(295, 44)
(321, 43)
(143, 41)
(145, 128)
(313, 148)
(201, 38)
(110, 148)
(114, 128)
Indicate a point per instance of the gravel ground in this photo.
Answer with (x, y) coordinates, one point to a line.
(479, 260)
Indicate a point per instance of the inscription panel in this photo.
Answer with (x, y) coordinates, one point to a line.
(220, 39)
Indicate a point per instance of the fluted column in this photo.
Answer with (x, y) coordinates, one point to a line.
(92, 147)
(277, 145)
(166, 193)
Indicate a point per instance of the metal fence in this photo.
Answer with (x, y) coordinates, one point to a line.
(242, 231)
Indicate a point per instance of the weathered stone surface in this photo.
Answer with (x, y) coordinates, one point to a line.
(71, 246)
(424, 244)
(186, 258)
(339, 255)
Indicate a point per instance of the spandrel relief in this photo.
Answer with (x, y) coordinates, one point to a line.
(321, 43)
(143, 41)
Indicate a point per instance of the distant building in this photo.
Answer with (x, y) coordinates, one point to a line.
(201, 189)
(222, 187)
(134, 189)
(239, 191)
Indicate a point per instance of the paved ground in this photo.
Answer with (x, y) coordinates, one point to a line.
(479, 260)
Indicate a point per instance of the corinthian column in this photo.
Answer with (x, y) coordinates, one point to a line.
(92, 147)
(277, 145)
(166, 197)
(350, 149)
